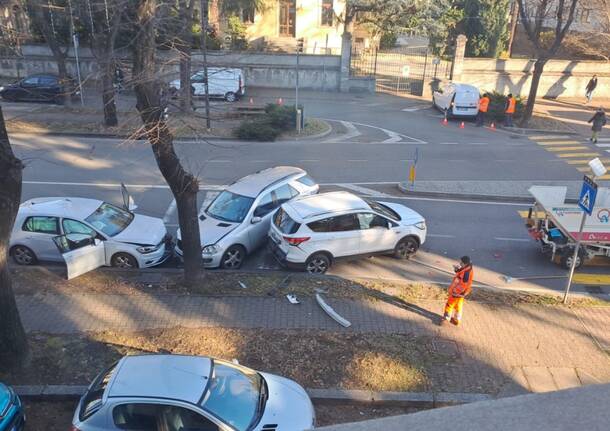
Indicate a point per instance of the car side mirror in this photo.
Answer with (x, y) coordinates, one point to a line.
(256, 220)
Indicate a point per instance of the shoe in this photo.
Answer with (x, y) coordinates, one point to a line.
(455, 322)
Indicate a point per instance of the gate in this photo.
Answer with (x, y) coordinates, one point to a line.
(400, 70)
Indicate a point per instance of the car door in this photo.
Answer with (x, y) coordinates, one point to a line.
(339, 235)
(81, 252)
(261, 217)
(215, 76)
(197, 83)
(28, 88)
(376, 233)
(48, 88)
(38, 234)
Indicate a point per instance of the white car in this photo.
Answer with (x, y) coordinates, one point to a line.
(237, 221)
(53, 228)
(312, 232)
(191, 393)
(225, 83)
(457, 100)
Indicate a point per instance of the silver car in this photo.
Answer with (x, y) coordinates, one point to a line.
(238, 219)
(180, 393)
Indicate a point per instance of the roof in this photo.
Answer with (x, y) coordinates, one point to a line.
(324, 203)
(78, 208)
(177, 377)
(467, 87)
(252, 185)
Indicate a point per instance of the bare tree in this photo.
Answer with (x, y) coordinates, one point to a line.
(13, 343)
(536, 15)
(184, 45)
(151, 103)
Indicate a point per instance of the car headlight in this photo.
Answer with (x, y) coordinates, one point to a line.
(421, 225)
(148, 249)
(210, 249)
(1, 88)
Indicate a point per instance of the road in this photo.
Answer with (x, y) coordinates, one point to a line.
(358, 156)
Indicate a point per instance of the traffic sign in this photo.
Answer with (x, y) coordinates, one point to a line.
(588, 193)
(406, 70)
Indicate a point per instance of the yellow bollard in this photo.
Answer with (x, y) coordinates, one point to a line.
(412, 174)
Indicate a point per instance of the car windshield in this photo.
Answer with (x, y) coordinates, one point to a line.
(235, 394)
(230, 207)
(382, 209)
(109, 219)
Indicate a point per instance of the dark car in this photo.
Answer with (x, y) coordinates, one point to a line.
(41, 87)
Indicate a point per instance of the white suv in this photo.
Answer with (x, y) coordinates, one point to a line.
(311, 232)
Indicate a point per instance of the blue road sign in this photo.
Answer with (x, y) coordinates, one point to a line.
(588, 193)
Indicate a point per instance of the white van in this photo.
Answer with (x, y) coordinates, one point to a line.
(224, 83)
(458, 100)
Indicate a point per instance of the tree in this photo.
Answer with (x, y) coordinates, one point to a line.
(591, 44)
(13, 343)
(486, 27)
(151, 103)
(534, 14)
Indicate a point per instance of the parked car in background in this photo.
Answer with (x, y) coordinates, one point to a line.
(86, 234)
(39, 88)
(12, 414)
(224, 83)
(237, 221)
(458, 100)
(312, 232)
(191, 393)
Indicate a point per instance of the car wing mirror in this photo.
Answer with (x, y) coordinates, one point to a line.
(256, 220)
(128, 202)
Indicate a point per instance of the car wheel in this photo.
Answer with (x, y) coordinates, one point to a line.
(22, 255)
(406, 248)
(230, 97)
(317, 264)
(124, 260)
(233, 257)
(566, 260)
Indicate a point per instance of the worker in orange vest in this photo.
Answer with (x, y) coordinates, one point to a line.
(483, 108)
(459, 288)
(511, 104)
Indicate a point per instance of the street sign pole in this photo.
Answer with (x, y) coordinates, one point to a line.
(574, 257)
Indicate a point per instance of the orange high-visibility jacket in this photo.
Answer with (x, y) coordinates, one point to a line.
(462, 282)
(483, 104)
(510, 106)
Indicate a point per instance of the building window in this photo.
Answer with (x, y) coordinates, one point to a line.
(328, 13)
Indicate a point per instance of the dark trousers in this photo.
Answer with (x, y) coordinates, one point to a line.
(481, 117)
(508, 120)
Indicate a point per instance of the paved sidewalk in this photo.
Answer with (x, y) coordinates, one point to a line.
(498, 349)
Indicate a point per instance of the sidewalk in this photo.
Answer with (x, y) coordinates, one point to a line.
(573, 112)
(500, 349)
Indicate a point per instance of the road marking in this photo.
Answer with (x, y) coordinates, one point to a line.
(219, 161)
(536, 214)
(308, 161)
(553, 143)
(603, 177)
(548, 137)
(118, 185)
(559, 149)
(568, 155)
(419, 141)
(583, 161)
(352, 132)
(603, 145)
(364, 190)
(171, 209)
(357, 160)
(416, 108)
(207, 200)
(438, 235)
(448, 143)
(583, 169)
(499, 238)
(592, 279)
(393, 137)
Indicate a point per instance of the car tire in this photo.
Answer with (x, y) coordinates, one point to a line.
(233, 258)
(566, 259)
(406, 247)
(124, 260)
(231, 97)
(23, 255)
(317, 263)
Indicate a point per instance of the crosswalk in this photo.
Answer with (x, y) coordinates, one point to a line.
(575, 151)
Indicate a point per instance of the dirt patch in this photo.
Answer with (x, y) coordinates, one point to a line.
(315, 359)
(48, 416)
(542, 121)
(340, 414)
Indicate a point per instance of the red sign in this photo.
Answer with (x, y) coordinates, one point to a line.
(592, 236)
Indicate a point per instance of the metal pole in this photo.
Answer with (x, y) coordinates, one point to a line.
(75, 44)
(296, 95)
(204, 49)
(574, 257)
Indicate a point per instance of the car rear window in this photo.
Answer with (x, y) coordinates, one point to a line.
(306, 180)
(92, 400)
(285, 223)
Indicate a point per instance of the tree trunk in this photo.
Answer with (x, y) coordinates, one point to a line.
(62, 71)
(514, 18)
(531, 98)
(150, 104)
(186, 96)
(108, 94)
(13, 342)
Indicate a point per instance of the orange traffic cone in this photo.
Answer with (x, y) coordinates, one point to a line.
(493, 126)
(462, 125)
(445, 122)
(280, 101)
(251, 101)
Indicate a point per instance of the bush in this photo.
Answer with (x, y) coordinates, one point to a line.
(497, 102)
(280, 116)
(258, 129)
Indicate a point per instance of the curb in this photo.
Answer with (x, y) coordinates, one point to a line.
(311, 137)
(330, 396)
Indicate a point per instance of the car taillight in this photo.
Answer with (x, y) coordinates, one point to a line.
(296, 241)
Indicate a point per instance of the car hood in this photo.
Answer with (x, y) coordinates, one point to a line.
(407, 215)
(288, 405)
(212, 230)
(5, 397)
(143, 230)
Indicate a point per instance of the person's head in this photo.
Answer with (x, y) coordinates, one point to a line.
(594, 77)
(486, 95)
(600, 110)
(465, 260)
(510, 95)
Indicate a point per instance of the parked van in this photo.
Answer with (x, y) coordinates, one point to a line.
(458, 100)
(224, 83)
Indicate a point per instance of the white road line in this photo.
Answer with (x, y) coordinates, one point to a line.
(171, 209)
(207, 200)
(259, 161)
(448, 143)
(438, 235)
(419, 141)
(219, 161)
(357, 160)
(364, 190)
(308, 161)
(603, 145)
(512, 239)
(393, 137)
(352, 132)
(118, 185)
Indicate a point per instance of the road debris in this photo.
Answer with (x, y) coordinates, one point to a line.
(242, 285)
(331, 312)
(293, 299)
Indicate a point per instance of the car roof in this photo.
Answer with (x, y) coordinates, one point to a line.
(252, 185)
(326, 204)
(467, 87)
(78, 208)
(178, 377)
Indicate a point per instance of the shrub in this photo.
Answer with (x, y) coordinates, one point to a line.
(258, 129)
(497, 102)
(281, 117)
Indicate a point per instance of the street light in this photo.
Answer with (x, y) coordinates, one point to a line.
(598, 169)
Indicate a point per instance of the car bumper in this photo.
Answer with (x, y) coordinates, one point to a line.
(155, 258)
(467, 112)
(281, 257)
(209, 261)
